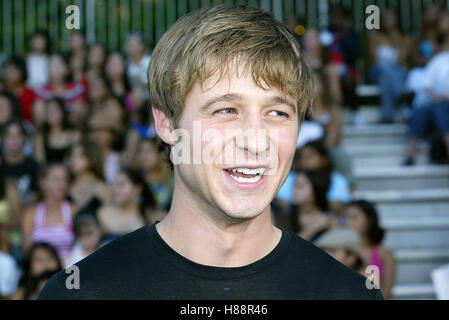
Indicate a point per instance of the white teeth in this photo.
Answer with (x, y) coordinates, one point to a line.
(247, 180)
(259, 171)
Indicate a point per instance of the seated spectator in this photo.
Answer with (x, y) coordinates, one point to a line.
(436, 111)
(389, 55)
(132, 206)
(36, 284)
(345, 52)
(60, 85)
(37, 60)
(317, 55)
(10, 216)
(426, 41)
(104, 131)
(156, 173)
(96, 57)
(362, 216)
(50, 220)
(137, 63)
(54, 139)
(88, 237)
(315, 156)
(14, 78)
(328, 113)
(9, 108)
(38, 259)
(15, 164)
(308, 215)
(115, 70)
(88, 190)
(9, 271)
(343, 244)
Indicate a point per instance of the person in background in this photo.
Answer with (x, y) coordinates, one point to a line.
(362, 216)
(77, 44)
(61, 86)
(15, 164)
(36, 284)
(315, 156)
(14, 77)
(88, 237)
(9, 271)
(9, 108)
(10, 216)
(137, 63)
(328, 113)
(308, 215)
(133, 206)
(115, 70)
(54, 139)
(344, 245)
(389, 52)
(39, 258)
(434, 108)
(88, 190)
(426, 41)
(51, 219)
(345, 52)
(156, 173)
(103, 131)
(317, 55)
(96, 58)
(38, 59)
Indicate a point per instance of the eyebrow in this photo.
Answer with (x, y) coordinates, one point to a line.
(230, 97)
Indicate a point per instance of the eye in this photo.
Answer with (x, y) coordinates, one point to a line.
(279, 113)
(226, 111)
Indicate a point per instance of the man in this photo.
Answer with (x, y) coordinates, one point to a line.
(216, 74)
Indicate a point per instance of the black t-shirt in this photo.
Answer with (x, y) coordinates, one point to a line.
(140, 265)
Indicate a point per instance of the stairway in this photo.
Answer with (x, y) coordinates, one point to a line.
(413, 202)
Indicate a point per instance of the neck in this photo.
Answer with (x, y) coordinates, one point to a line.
(130, 207)
(136, 58)
(52, 204)
(14, 158)
(201, 233)
(307, 208)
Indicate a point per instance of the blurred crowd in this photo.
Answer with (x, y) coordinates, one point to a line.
(80, 165)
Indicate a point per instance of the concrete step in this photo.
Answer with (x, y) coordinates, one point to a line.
(416, 265)
(369, 112)
(423, 291)
(382, 150)
(401, 177)
(374, 130)
(385, 161)
(374, 134)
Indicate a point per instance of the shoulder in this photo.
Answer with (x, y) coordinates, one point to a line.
(102, 274)
(327, 278)
(386, 253)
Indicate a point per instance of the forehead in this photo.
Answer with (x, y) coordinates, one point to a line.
(236, 81)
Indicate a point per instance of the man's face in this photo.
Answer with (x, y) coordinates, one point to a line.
(231, 104)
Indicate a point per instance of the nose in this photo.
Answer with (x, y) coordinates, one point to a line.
(254, 135)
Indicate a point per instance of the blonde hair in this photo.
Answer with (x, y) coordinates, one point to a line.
(208, 41)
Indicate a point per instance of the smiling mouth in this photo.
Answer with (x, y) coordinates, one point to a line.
(246, 175)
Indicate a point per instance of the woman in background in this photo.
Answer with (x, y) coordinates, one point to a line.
(88, 190)
(362, 216)
(54, 139)
(39, 258)
(50, 220)
(133, 206)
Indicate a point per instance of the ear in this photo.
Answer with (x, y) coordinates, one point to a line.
(163, 126)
